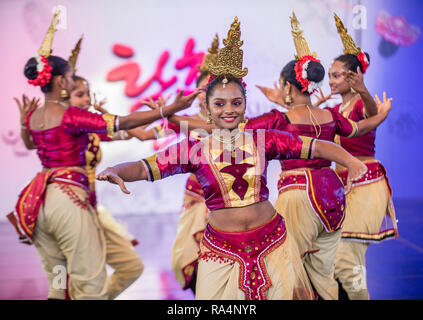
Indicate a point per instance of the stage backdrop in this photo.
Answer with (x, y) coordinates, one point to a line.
(134, 49)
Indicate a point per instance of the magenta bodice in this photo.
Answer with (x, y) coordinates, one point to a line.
(229, 179)
(279, 121)
(358, 146)
(65, 145)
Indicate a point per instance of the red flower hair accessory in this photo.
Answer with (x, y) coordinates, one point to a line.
(363, 61)
(300, 69)
(44, 72)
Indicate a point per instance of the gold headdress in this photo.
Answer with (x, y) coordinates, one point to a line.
(303, 57)
(229, 59)
(45, 49)
(74, 56)
(300, 42)
(211, 56)
(349, 45)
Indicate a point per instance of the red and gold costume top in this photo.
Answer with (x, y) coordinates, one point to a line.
(357, 146)
(229, 178)
(279, 121)
(65, 145)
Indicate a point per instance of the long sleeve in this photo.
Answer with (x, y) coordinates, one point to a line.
(182, 157)
(78, 121)
(344, 127)
(279, 145)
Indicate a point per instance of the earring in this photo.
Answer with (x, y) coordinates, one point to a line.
(353, 91)
(244, 120)
(64, 94)
(209, 119)
(288, 99)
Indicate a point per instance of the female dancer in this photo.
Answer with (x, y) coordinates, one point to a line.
(193, 215)
(54, 210)
(370, 212)
(245, 251)
(311, 196)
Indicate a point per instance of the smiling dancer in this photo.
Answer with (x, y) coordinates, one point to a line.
(370, 213)
(245, 252)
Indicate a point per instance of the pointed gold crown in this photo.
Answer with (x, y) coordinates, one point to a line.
(300, 42)
(211, 56)
(74, 56)
(348, 42)
(45, 49)
(229, 59)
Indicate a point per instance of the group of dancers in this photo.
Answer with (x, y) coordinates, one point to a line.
(231, 242)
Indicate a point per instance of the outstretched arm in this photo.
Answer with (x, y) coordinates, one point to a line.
(141, 118)
(124, 172)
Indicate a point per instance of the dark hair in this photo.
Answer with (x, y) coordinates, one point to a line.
(218, 80)
(315, 72)
(78, 78)
(351, 61)
(59, 67)
(201, 76)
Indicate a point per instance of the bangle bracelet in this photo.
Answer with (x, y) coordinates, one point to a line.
(161, 112)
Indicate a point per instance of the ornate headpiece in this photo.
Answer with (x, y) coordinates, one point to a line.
(74, 56)
(229, 59)
(43, 67)
(349, 45)
(211, 56)
(303, 57)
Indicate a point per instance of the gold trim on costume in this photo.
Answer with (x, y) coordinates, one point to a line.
(152, 163)
(242, 125)
(369, 237)
(355, 128)
(159, 131)
(229, 59)
(305, 148)
(110, 121)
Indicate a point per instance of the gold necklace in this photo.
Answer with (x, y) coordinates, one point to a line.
(345, 105)
(316, 125)
(227, 143)
(58, 102)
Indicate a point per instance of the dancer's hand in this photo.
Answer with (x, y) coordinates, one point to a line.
(356, 170)
(322, 98)
(184, 102)
(273, 94)
(385, 106)
(159, 103)
(98, 105)
(110, 175)
(26, 106)
(355, 80)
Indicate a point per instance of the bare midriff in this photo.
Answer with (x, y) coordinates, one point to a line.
(242, 219)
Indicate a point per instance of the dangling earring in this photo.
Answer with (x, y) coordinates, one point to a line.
(64, 94)
(353, 91)
(288, 99)
(209, 119)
